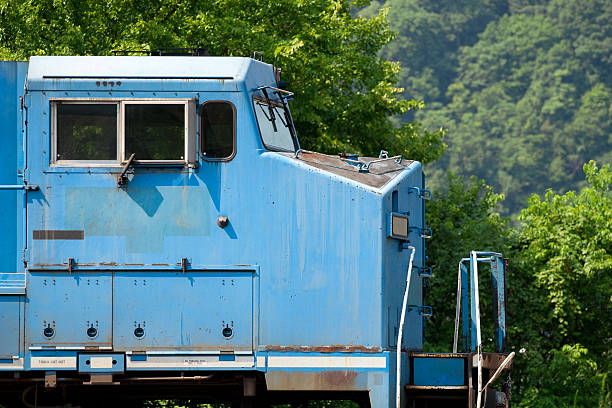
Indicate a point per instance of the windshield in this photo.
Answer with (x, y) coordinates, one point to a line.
(275, 124)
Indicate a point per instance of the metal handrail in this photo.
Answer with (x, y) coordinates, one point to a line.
(365, 167)
(19, 187)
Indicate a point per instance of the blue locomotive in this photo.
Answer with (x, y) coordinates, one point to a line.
(164, 236)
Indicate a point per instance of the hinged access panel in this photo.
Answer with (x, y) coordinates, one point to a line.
(189, 311)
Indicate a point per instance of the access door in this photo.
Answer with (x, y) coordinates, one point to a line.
(192, 310)
(69, 309)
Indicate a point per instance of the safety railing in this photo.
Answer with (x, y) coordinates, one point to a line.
(468, 307)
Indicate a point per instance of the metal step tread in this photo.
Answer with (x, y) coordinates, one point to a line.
(436, 387)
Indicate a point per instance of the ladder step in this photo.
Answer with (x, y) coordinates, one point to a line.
(436, 387)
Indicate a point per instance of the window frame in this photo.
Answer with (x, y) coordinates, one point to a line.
(81, 163)
(201, 129)
(292, 131)
(189, 124)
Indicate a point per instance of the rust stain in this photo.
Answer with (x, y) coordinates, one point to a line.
(339, 378)
(335, 348)
(133, 264)
(493, 360)
(47, 265)
(160, 264)
(108, 263)
(333, 380)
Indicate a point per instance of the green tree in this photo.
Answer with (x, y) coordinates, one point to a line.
(463, 217)
(532, 100)
(565, 246)
(345, 92)
(568, 377)
(567, 241)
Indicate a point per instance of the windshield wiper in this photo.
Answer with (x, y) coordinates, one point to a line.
(272, 117)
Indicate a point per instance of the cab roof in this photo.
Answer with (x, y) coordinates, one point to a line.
(80, 73)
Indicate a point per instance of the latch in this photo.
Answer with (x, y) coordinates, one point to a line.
(424, 233)
(421, 193)
(424, 311)
(425, 271)
(183, 265)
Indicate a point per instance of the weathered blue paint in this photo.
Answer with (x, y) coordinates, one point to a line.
(465, 305)
(303, 284)
(12, 274)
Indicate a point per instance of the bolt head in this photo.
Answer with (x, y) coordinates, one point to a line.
(222, 221)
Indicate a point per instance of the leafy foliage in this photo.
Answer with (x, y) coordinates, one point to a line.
(569, 378)
(345, 92)
(567, 240)
(527, 110)
(462, 217)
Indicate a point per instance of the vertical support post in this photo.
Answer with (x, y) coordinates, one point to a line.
(457, 309)
(474, 304)
(498, 280)
(476, 322)
(465, 305)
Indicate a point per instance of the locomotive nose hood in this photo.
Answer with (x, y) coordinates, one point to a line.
(371, 171)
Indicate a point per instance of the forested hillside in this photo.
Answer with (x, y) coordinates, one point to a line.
(524, 87)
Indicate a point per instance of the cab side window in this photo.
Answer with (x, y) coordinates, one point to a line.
(107, 132)
(155, 132)
(218, 130)
(87, 131)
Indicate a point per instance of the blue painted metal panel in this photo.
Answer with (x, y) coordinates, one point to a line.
(71, 305)
(10, 326)
(396, 258)
(12, 82)
(12, 275)
(498, 276)
(474, 316)
(465, 305)
(183, 311)
(439, 371)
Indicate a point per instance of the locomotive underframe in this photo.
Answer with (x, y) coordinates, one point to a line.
(273, 378)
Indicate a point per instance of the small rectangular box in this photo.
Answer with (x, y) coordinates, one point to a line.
(101, 363)
(431, 371)
(399, 226)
